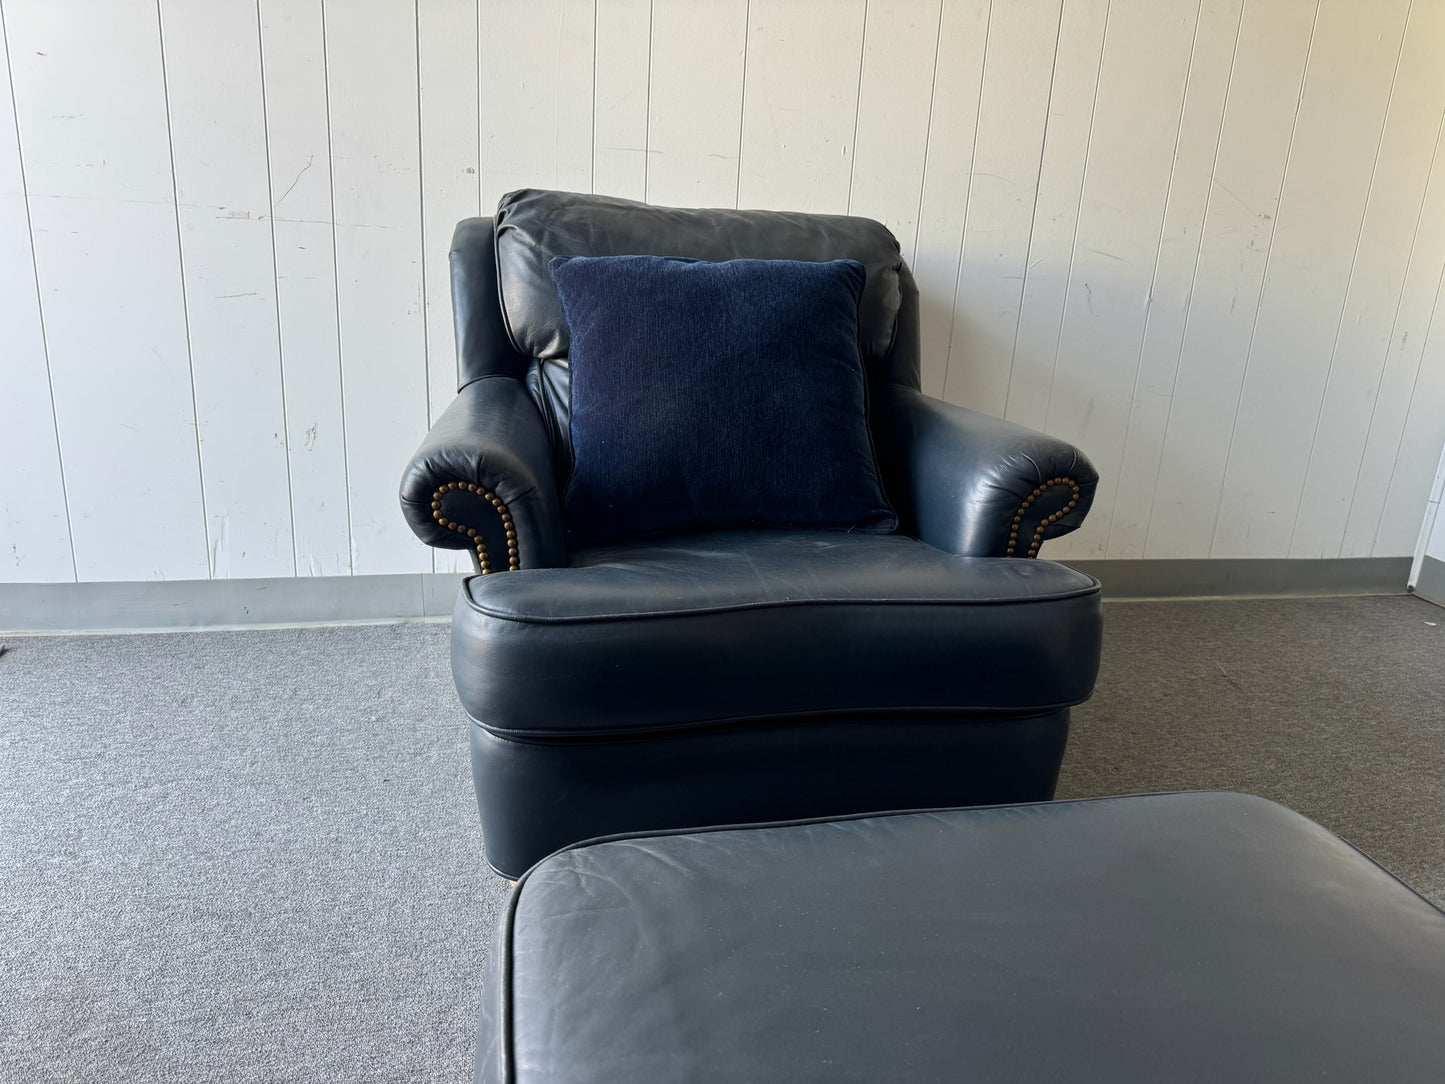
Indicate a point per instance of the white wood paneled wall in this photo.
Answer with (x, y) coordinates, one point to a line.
(1204, 239)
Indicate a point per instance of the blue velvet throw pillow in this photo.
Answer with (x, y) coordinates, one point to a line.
(713, 395)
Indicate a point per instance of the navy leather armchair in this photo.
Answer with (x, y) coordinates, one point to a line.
(744, 675)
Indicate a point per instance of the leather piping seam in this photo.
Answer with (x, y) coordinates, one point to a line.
(484, 610)
(473, 535)
(884, 716)
(1005, 809)
(1048, 521)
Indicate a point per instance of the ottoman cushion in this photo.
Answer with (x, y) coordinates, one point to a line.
(1181, 937)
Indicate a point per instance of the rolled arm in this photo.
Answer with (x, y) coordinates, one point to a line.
(976, 485)
(482, 480)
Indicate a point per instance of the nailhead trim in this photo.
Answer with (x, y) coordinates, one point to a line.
(514, 562)
(1038, 539)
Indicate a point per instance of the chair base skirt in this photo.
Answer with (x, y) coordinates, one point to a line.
(538, 795)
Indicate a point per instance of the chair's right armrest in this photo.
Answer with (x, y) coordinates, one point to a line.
(975, 485)
(483, 480)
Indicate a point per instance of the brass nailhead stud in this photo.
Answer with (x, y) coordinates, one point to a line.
(483, 558)
(1048, 521)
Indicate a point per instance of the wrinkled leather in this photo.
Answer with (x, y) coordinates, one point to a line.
(533, 226)
(483, 348)
(551, 388)
(764, 623)
(905, 363)
(492, 435)
(958, 477)
(1191, 937)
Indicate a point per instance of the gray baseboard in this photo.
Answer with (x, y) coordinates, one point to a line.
(178, 604)
(1431, 584)
(190, 604)
(1249, 577)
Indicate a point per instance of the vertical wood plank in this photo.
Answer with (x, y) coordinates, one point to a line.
(447, 61)
(91, 105)
(1056, 211)
(1126, 184)
(1424, 435)
(294, 75)
(943, 206)
(1378, 523)
(1173, 281)
(900, 45)
(1358, 364)
(695, 102)
(34, 525)
(1432, 531)
(536, 96)
(1266, 371)
(218, 140)
(619, 121)
(1347, 86)
(1013, 110)
(800, 104)
(447, 52)
(371, 55)
(1417, 353)
(1269, 63)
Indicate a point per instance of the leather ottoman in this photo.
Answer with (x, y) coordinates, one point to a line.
(1204, 936)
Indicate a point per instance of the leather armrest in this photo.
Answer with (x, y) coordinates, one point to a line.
(482, 480)
(976, 485)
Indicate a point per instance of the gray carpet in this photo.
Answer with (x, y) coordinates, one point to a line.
(1333, 707)
(253, 856)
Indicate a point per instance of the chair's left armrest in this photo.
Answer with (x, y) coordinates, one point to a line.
(976, 485)
(483, 480)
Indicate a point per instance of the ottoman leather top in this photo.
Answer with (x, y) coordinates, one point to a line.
(1171, 937)
(732, 625)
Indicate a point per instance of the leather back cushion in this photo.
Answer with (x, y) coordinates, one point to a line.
(533, 226)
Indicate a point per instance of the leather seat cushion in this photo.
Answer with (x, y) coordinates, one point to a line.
(738, 625)
(1201, 937)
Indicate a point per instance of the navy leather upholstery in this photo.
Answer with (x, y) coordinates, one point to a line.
(490, 435)
(747, 675)
(1189, 937)
(970, 483)
(740, 625)
(538, 795)
(535, 226)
